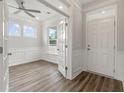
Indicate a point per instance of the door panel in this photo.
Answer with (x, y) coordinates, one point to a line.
(3, 54)
(101, 36)
(5, 49)
(92, 45)
(1, 46)
(61, 42)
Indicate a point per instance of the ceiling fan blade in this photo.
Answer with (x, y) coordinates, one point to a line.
(21, 6)
(13, 7)
(16, 12)
(30, 10)
(29, 14)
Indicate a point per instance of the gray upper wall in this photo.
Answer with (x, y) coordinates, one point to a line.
(1, 26)
(121, 25)
(77, 27)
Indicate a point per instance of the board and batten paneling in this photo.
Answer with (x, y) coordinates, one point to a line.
(53, 58)
(120, 66)
(78, 62)
(24, 55)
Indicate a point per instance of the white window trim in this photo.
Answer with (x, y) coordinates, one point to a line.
(48, 45)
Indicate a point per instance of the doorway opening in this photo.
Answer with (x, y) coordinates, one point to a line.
(36, 33)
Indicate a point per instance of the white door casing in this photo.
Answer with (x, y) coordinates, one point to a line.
(5, 47)
(61, 47)
(1, 46)
(101, 51)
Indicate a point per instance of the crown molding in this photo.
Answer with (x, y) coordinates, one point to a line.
(65, 2)
(96, 5)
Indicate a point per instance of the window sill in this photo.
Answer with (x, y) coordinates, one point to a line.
(56, 54)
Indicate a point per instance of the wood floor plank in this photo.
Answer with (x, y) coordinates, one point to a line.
(89, 86)
(42, 76)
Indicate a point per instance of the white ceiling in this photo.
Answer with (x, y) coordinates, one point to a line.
(86, 1)
(32, 4)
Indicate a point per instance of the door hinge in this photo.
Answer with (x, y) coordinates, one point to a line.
(114, 23)
(114, 47)
(1, 50)
(66, 46)
(66, 68)
(66, 24)
(114, 70)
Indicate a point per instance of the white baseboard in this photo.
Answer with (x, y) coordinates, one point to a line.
(24, 62)
(48, 60)
(76, 73)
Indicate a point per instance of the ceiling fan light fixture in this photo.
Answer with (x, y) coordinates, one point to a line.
(60, 7)
(37, 18)
(103, 12)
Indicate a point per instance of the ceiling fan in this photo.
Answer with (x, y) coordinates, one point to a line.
(22, 8)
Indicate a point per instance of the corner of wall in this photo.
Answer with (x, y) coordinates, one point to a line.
(49, 57)
(78, 62)
(123, 84)
(120, 66)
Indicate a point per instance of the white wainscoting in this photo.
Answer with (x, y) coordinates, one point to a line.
(78, 62)
(120, 66)
(1, 72)
(50, 57)
(24, 55)
(123, 84)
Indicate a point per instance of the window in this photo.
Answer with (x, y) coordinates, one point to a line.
(52, 36)
(52, 40)
(14, 29)
(30, 32)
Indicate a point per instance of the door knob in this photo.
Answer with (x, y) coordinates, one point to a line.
(9, 54)
(88, 45)
(1, 50)
(88, 49)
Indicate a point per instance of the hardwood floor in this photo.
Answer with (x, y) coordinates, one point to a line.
(44, 77)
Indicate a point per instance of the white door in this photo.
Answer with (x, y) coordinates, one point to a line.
(1, 47)
(101, 51)
(5, 49)
(61, 47)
